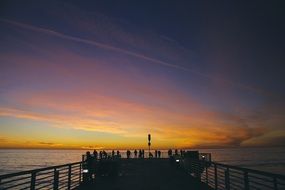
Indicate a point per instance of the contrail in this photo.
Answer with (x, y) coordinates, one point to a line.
(131, 53)
(92, 42)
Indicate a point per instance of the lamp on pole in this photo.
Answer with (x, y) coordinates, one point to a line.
(149, 143)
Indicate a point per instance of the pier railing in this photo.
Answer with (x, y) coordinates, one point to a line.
(67, 176)
(216, 175)
(226, 177)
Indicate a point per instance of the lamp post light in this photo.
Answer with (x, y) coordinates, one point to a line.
(149, 143)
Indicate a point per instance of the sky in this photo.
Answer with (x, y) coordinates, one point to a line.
(104, 74)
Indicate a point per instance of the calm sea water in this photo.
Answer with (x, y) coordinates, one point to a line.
(266, 159)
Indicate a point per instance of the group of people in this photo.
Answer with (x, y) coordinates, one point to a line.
(104, 155)
(136, 154)
(98, 155)
(176, 153)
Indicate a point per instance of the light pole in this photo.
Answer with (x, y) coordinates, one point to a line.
(149, 139)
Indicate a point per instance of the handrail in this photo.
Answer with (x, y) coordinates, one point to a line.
(216, 175)
(54, 177)
(225, 177)
(36, 170)
(251, 170)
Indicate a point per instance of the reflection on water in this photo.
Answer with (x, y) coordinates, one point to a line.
(266, 159)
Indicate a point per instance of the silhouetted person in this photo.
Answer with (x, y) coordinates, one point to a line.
(100, 155)
(136, 153)
(155, 153)
(88, 155)
(104, 154)
(95, 154)
(140, 153)
(118, 154)
(128, 154)
(89, 163)
(159, 153)
(176, 152)
(169, 152)
(143, 153)
(113, 153)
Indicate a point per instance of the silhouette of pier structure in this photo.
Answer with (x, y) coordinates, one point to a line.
(180, 170)
(140, 174)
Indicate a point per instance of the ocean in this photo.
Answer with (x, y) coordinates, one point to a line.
(265, 159)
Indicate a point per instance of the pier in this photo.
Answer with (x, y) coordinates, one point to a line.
(176, 172)
(151, 174)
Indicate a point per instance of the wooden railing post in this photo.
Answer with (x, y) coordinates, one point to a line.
(227, 179)
(33, 181)
(55, 179)
(246, 182)
(216, 177)
(69, 177)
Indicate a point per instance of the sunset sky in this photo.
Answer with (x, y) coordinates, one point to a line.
(104, 74)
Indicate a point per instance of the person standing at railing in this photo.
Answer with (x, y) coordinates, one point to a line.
(142, 153)
(169, 153)
(128, 154)
(113, 154)
(136, 153)
(89, 164)
(95, 154)
(100, 155)
(155, 153)
(159, 153)
(105, 154)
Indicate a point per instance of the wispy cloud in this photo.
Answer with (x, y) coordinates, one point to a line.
(135, 120)
(50, 144)
(64, 121)
(95, 43)
(135, 54)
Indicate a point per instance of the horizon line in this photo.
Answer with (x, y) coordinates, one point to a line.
(218, 147)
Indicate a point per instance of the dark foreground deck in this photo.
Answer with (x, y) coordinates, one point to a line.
(149, 174)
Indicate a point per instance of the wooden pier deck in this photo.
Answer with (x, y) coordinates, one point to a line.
(147, 174)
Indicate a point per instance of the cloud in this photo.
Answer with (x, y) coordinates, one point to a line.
(134, 119)
(95, 43)
(272, 138)
(64, 121)
(137, 55)
(93, 147)
(49, 144)
(112, 102)
(3, 139)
